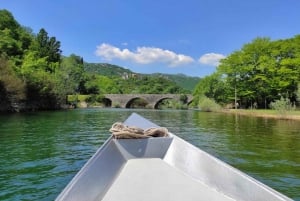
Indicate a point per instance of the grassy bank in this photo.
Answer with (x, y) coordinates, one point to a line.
(293, 115)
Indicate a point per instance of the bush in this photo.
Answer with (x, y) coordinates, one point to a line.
(172, 104)
(282, 106)
(116, 105)
(91, 99)
(100, 98)
(183, 98)
(72, 98)
(208, 105)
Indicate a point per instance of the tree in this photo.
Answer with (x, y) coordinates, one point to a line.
(7, 20)
(71, 74)
(298, 92)
(213, 87)
(91, 85)
(38, 71)
(288, 73)
(263, 70)
(28, 66)
(8, 44)
(48, 48)
(12, 89)
(100, 84)
(234, 72)
(14, 39)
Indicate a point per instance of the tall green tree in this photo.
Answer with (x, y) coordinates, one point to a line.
(288, 70)
(214, 87)
(48, 48)
(71, 74)
(38, 70)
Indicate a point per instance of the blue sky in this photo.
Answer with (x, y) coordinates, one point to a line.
(163, 36)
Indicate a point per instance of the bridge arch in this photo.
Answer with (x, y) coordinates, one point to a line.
(160, 101)
(107, 102)
(130, 102)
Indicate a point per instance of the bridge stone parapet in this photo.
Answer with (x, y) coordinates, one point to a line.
(124, 100)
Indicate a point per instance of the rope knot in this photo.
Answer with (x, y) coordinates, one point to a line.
(122, 131)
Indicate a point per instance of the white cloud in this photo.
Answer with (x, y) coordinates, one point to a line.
(143, 55)
(211, 59)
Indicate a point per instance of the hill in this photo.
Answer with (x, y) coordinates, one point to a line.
(106, 69)
(184, 81)
(110, 70)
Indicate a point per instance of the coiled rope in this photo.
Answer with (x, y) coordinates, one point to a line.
(122, 131)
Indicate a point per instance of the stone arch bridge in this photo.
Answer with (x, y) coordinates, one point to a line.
(153, 100)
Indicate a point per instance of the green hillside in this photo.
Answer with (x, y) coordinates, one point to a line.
(110, 70)
(106, 69)
(184, 81)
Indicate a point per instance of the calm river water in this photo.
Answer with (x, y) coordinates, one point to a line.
(41, 152)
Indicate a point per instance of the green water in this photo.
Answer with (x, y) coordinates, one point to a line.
(41, 152)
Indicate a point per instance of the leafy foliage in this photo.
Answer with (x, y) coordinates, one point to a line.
(213, 87)
(260, 73)
(48, 48)
(96, 84)
(105, 69)
(14, 39)
(71, 74)
(124, 81)
(184, 82)
(298, 92)
(11, 87)
(28, 66)
(282, 106)
(208, 104)
(149, 85)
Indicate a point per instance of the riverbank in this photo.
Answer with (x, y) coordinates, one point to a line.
(289, 115)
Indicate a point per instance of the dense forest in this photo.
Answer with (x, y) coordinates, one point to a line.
(34, 74)
(261, 72)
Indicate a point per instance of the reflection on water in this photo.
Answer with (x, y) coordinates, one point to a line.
(41, 152)
(267, 149)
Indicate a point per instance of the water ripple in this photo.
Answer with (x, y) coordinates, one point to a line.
(41, 152)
